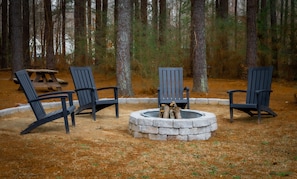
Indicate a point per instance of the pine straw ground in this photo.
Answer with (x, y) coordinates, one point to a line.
(105, 149)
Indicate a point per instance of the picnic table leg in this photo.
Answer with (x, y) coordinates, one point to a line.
(54, 79)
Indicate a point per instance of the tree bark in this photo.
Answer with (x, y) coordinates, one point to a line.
(50, 57)
(16, 35)
(200, 83)
(26, 34)
(274, 39)
(34, 31)
(251, 48)
(4, 43)
(80, 32)
(123, 48)
(90, 44)
(155, 19)
(262, 33)
(162, 22)
(98, 33)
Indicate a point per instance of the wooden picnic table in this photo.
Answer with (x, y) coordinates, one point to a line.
(45, 78)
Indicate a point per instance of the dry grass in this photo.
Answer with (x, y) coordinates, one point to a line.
(104, 148)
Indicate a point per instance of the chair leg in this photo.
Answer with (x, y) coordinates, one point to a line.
(66, 124)
(73, 119)
(65, 115)
(29, 128)
(94, 114)
(117, 110)
(231, 114)
(259, 116)
(94, 111)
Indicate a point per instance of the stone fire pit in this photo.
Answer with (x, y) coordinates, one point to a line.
(194, 125)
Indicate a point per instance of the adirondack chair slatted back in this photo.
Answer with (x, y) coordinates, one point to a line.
(171, 83)
(259, 78)
(83, 78)
(29, 90)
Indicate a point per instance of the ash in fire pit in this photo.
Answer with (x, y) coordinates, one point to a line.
(193, 125)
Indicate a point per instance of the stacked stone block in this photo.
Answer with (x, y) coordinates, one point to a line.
(155, 128)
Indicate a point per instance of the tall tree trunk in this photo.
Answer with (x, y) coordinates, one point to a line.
(236, 25)
(34, 31)
(63, 8)
(162, 22)
(16, 35)
(104, 27)
(4, 43)
(58, 28)
(251, 48)
(116, 2)
(262, 33)
(136, 8)
(48, 36)
(200, 83)
(90, 44)
(155, 19)
(144, 12)
(101, 26)
(222, 7)
(26, 34)
(123, 55)
(285, 24)
(221, 35)
(285, 45)
(274, 39)
(293, 35)
(80, 33)
(98, 42)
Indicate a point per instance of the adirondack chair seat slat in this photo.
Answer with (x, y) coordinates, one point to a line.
(87, 93)
(59, 113)
(257, 94)
(35, 102)
(171, 87)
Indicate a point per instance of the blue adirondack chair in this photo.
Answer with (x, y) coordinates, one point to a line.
(35, 102)
(257, 94)
(171, 87)
(87, 92)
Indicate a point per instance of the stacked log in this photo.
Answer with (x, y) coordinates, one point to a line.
(171, 111)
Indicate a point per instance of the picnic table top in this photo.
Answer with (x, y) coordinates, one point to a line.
(41, 70)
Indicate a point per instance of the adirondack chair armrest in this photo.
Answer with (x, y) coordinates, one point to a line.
(109, 87)
(230, 92)
(81, 89)
(258, 92)
(263, 90)
(53, 96)
(187, 89)
(57, 93)
(69, 94)
(114, 88)
(234, 91)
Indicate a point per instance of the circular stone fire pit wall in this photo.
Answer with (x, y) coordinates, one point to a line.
(194, 125)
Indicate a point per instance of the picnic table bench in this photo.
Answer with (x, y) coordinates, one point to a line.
(44, 78)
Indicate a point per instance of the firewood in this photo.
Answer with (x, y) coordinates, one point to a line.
(166, 111)
(171, 114)
(173, 104)
(161, 110)
(177, 112)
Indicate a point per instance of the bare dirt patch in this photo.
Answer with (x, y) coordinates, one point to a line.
(105, 149)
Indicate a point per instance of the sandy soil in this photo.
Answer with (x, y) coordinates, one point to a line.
(105, 149)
